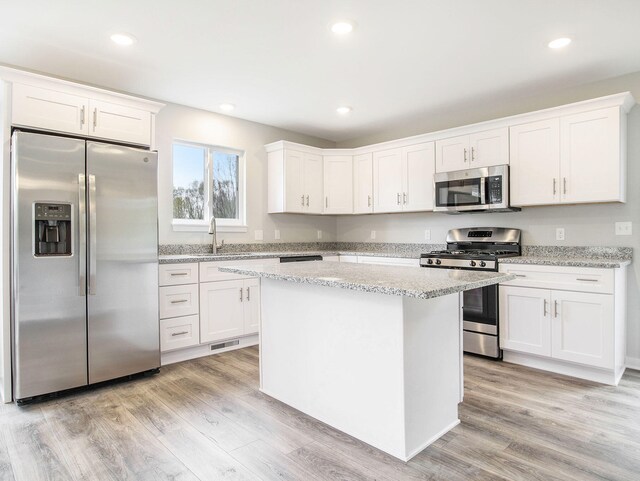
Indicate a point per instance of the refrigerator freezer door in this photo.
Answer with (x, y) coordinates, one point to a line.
(122, 299)
(49, 305)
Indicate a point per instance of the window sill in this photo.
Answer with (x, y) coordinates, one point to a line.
(189, 227)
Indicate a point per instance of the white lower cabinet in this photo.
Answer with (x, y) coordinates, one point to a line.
(179, 332)
(229, 309)
(579, 333)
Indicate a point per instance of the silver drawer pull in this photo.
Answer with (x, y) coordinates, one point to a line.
(179, 301)
(173, 274)
(519, 275)
(179, 333)
(586, 280)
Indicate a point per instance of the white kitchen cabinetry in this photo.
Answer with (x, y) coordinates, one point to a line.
(399, 179)
(535, 163)
(60, 111)
(179, 320)
(569, 320)
(481, 149)
(295, 182)
(252, 306)
(570, 159)
(363, 184)
(338, 184)
(179, 332)
(388, 261)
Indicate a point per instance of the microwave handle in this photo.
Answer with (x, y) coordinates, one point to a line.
(483, 191)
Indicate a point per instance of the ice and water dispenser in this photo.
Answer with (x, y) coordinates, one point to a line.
(52, 229)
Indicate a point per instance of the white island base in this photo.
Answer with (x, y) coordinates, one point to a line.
(385, 369)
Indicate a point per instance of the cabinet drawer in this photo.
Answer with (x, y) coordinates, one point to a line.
(209, 270)
(581, 279)
(176, 274)
(178, 301)
(179, 332)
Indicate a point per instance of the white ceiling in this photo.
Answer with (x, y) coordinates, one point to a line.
(278, 61)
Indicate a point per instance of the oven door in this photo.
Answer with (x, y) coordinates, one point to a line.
(480, 310)
(459, 194)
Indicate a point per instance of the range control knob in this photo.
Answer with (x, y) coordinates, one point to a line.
(429, 261)
(483, 264)
(472, 263)
(438, 262)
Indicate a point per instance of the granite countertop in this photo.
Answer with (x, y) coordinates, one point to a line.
(391, 280)
(601, 262)
(234, 256)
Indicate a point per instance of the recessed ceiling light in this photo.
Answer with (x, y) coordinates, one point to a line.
(123, 39)
(342, 27)
(227, 107)
(560, 42)
(344, 110)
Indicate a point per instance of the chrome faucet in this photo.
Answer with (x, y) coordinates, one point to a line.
(214, 230)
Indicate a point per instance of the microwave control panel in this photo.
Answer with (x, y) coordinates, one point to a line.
(494, 187)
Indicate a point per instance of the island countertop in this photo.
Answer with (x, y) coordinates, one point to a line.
(420, 283)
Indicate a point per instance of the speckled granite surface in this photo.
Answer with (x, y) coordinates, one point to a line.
(573, 256)
(395, 281)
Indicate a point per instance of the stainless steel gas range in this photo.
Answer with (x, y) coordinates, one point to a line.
(477, 248)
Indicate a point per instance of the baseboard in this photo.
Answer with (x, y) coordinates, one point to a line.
(179, 355)
(633, 363)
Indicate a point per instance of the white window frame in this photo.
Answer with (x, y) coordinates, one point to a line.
(223, 225)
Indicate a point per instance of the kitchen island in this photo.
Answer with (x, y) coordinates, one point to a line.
(374, 351)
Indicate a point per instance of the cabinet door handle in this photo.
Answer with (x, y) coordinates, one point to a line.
(179, 333)
(586, 280)
(368, 201)
(82, 112)
(404, 198)
(554, 186)
(564, 185)
(520, 275)
(248, 293)
(307, 200)
(302, 200)
(95, 118)
(398, 198)
(173, 274)
(465, 155)
(545, 309)
(555, 308)
(241, 295)
(326, 201)
(473, 154)
(179, 301)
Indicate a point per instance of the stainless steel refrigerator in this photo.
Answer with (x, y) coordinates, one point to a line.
(84, 263)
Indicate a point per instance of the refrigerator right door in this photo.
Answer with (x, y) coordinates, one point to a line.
(122, 298)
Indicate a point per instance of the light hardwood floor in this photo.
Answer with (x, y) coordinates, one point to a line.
(206, 420)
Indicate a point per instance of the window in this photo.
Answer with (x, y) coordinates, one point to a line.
(207, 180)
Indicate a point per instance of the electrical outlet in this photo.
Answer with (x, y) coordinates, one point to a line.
(373, 234)
(560, 233)
(276, 234)
(427, 234)
(258, 234)
(319, 234)
(624, 228)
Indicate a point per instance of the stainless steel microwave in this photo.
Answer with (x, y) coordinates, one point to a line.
(485, 189)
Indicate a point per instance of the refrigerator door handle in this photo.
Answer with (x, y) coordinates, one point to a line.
(92, 235)
(82, 236)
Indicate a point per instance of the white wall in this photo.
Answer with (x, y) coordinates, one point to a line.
(584, 224)
(185, 123)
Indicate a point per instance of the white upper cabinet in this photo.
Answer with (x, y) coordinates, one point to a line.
(338, 184)
(403, 179)
(49, 109)
(535, 163)
(295, 182)
(572, 159)
(67, 112)
(387, 181)
(591, 154)
(363, 184)
(118, 122)
(417, 175)
(480, 149)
